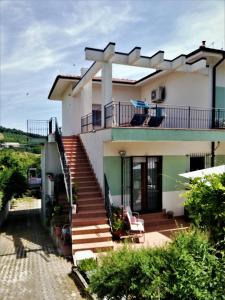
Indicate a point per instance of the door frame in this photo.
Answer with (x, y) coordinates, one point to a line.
(159, 179)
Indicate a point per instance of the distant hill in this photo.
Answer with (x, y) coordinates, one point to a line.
(21, 137)
(15, 135)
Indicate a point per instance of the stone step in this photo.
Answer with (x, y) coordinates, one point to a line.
(77, 221)
(79, 173)
(95, 247)
(100, 228)
(91, 238)
(154, 216)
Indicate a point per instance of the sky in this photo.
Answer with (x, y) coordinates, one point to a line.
(44, 38)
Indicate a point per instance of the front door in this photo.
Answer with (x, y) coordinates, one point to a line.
(146, 184)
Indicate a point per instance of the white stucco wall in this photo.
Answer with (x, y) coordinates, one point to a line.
(94, 145)
(71, 113)
(182, 89)
(119, 93)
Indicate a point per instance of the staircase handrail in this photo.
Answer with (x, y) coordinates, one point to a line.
(108, 201)
(63, 159)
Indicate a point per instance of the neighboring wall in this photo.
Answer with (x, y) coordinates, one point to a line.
(220, 86)
(182, 89)
(50, 163)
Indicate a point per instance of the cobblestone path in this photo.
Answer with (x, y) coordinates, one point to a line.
(30, 268)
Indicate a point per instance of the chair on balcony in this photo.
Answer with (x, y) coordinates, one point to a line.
(139, 118)
(156, 120)
(135, 224)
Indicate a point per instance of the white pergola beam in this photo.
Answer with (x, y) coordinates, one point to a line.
(156, 59)
(109, 52)
(134, 55)
(178, 62)
(92, 71)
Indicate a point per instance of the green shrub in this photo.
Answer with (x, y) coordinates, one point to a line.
(186, 269)
(205, 202)
(134, 274)
(195, 271)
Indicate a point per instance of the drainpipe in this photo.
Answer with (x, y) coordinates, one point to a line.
(214, 106)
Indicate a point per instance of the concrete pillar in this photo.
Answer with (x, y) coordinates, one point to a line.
(106, 92)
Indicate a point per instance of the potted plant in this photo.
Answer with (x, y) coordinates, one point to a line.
(118, 222)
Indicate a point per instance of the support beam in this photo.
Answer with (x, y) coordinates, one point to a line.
(91, 72)
(106, 91)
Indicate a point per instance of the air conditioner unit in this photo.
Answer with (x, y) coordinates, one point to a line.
(158, 95)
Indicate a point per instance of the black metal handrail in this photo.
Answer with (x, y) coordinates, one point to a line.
(91, 121)
(53, 128)
(164, 116)
(108, 204)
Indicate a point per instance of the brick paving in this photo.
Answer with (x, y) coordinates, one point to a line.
(29, 265)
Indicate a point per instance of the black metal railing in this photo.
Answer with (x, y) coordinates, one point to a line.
(108, 203)
(124, 113)
(91, 121)
(54, 129)
(38, 128)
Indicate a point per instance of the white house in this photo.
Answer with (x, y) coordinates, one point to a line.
(137, 149)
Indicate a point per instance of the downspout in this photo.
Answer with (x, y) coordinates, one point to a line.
(214, 106)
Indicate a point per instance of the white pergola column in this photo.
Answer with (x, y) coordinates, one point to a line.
(106, 87)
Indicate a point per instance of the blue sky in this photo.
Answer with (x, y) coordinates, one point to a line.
(44, 38)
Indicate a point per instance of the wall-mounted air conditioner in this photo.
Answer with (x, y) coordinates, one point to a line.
(158, 95)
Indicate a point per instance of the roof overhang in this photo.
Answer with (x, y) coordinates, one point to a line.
(60, 84)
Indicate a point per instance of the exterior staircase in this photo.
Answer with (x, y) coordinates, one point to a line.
(90, 229)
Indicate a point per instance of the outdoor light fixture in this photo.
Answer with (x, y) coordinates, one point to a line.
(122, 153)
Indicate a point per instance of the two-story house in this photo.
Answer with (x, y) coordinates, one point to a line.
(175, 124)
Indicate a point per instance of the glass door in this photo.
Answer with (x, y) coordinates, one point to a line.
(146, 184)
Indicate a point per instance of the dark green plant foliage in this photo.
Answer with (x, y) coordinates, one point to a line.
(185, 269)
(205, 202)
(88, 264)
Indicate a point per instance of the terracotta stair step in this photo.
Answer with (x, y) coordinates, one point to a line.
(91, 214)
(153, 216)
(86, 178)
(93, 206)
(90, 201)
(91, 229)
(81, 173)
(159, 227)
(87, 184)
(91, 188)
(89, 221)
(91, 238)
(82, 195)
(95, 247)
(159, 222)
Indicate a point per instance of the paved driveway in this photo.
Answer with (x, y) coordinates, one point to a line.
(30, 268)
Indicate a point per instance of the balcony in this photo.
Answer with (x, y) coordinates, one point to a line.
(124, 114)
